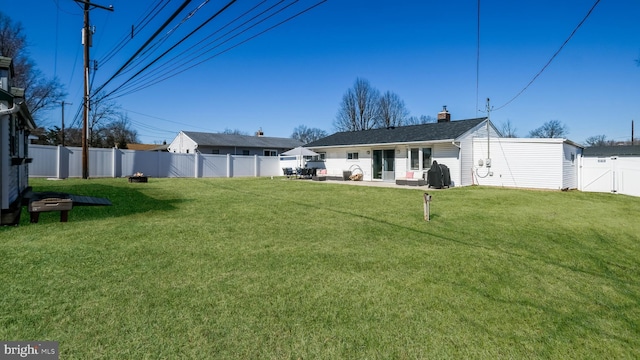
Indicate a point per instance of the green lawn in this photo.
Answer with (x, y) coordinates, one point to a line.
(292, 269)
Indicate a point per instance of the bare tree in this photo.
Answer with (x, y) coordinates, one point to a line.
(550, 129)
(392, 111)
(307, 135)
(234, 132)
(596, 140)
(423, 119)
(118, 133)
(508, 130)
(101, 113)
(359, 107)
(40, 93)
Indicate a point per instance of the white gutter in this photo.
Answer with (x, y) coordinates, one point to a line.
(382, 145)
(13, 110)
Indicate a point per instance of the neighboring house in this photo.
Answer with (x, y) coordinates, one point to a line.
(613, 169)
(147, 147)
(213, 143)
(15, 124)
(389, 153)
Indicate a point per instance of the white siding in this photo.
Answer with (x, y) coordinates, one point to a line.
(570, 166)
(449, 155)
(336, 161)
(182, 144)
(467, 153)
(4, 160)
(523, 163)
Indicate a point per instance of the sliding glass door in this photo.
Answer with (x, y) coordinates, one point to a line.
(383, 162)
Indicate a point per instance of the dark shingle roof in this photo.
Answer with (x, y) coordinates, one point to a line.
(213, 139)
(400, 134)
(614, 150)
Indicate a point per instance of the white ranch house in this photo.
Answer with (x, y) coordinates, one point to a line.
(473, 150)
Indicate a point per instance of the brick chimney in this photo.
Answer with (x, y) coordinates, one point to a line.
(444, 116)
(259, 133)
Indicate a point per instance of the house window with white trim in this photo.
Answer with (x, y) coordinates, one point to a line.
(270, 153)
(420, 159)
(426, 158)
(414, 155)
(352, 156)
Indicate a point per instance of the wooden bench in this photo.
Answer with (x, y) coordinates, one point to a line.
(50, 204)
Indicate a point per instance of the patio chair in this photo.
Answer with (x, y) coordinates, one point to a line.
(288, 172)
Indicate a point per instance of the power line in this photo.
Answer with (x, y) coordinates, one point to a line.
(478, 61)
(175, 45)
(552, 57)
(158, 80)
(202, 49)
(164, 25)
(144, 55)
(140, 25)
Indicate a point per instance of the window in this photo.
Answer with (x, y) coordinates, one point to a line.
(426, 158)
(270, 153)
(215, 151)
(352, 156)
(245, 152)
(415, 159)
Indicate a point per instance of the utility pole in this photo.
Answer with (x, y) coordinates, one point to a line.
(489, 108)
(62, 129)
(86, 42)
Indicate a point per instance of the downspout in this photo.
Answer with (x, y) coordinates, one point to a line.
(13, 110)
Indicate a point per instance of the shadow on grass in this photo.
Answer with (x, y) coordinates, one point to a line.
(525, 252)
(125, 201)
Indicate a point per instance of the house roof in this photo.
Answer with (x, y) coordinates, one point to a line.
(214, 139)
(147, 147)
(613, 150)
(401, 134)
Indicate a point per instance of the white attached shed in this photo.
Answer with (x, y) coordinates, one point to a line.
(526, 163)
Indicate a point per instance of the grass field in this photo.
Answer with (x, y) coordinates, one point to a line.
(287, 269)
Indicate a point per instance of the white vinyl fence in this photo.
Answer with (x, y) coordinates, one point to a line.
(63, 162)
(615, 174)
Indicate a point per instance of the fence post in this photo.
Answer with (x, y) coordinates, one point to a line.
(256, 166)
(195, 158)
(228, 165)
(113, 161)
(59, 162)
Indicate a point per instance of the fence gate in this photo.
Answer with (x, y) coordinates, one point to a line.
(613, 174)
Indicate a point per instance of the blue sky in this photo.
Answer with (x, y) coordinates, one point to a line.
(425, 51)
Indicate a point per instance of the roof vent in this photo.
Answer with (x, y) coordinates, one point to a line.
(444, 115)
